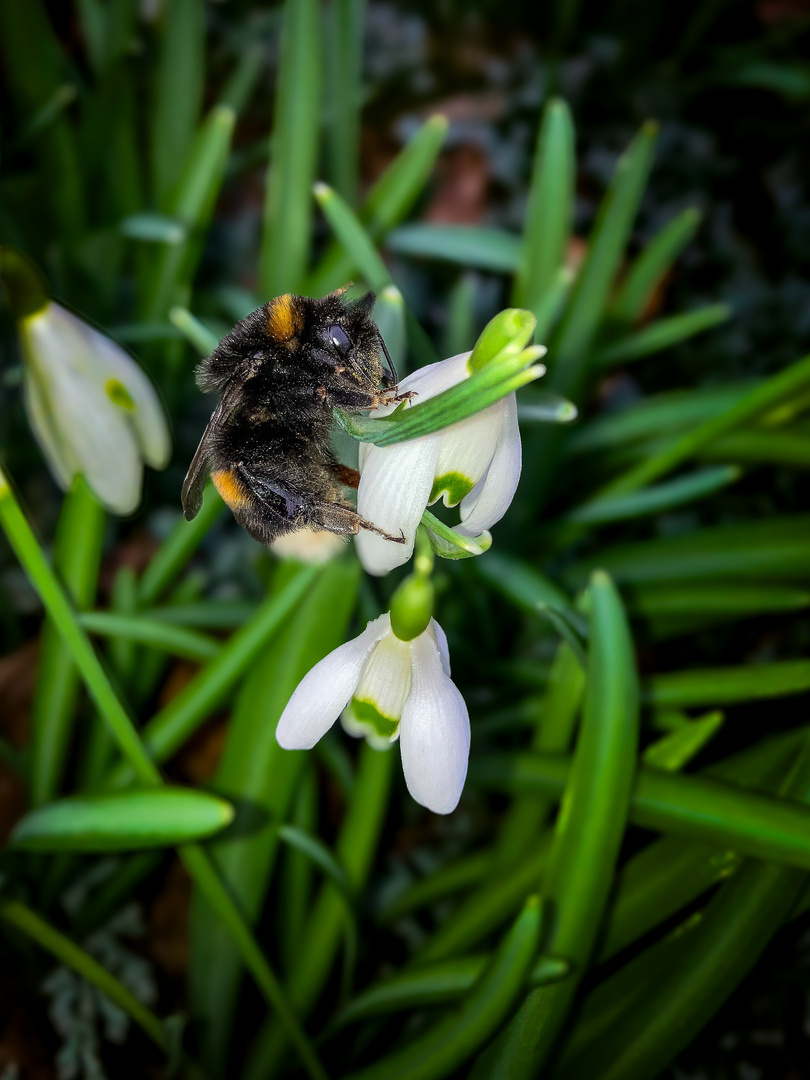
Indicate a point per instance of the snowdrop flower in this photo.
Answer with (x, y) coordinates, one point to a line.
(91, 407)
(475, 463)
(386, 688)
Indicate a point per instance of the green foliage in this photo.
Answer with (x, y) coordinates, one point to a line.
(625, 593)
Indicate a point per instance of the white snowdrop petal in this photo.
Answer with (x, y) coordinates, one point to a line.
(432, 379)
(326, 689)
(393, 493)
(59, 454)
(71, 365)
(440, 638)
(492, 496)
(147, 417)
(434, 732)
(465, 452)
(386, 677)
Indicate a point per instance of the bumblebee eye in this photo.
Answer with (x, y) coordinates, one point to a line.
(339, 340)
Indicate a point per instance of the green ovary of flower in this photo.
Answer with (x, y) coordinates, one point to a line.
(367, 714)
(455, 486)
(119, 395)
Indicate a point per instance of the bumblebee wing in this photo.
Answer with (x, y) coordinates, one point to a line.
(191, 495)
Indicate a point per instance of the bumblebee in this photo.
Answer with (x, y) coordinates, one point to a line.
(280, 372)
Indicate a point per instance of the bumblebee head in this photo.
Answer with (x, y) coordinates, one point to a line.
(347, 328)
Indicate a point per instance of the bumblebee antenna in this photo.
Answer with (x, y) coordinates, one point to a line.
(392, 371)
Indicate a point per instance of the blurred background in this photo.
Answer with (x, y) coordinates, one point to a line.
(100, 107)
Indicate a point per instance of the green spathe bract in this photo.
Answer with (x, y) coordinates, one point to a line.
(499, 364)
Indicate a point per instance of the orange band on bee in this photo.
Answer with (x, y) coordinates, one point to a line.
(284, 318)
(232, 491)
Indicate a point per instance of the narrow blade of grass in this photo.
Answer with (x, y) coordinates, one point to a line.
(550, 208)
(178, 92)
(651, 266)
(587, 836)
(261, 778)
(661, 334)
(77, 557)
(386, 204)
(293, 152)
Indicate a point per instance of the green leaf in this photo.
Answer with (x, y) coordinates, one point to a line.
(191, 204)
(459, 331)
(178, 548)
(325, 927)
(766, 397)
(527, 588)
(178, 92)
(707, 599)
(153, 228)
(654, 500)
(587, 835)
(261, 778)
(636, 1022)
(77, 559)
(677, 748)
(791, 447)
(125, 821)
(693, 807)
(650, 267)
(140, 762)
(661, 334)
(453, 1041)
(206, 614)
(387, 203)
(458, 875)
(545, 407)
(182, 716)
(652, 417)
(433, 984)
(549, 211)
(605, 249)
(293, 152)
(670, 874)
(389, 315)
(194, 331)
(763, 550)
(725, 686)
(352, 237)
(175, 640)
(498, 899)
(554, 719)
(344, 62)
(468, 245)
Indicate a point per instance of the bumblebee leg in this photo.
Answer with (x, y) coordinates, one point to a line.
(343, 520)
(355, 400)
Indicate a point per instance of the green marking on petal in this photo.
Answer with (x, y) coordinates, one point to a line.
(367, 714)
(454, 485)
(119, 395)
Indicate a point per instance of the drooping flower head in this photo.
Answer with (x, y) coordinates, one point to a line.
(474, 464)
(91, 407)
(385, 689)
